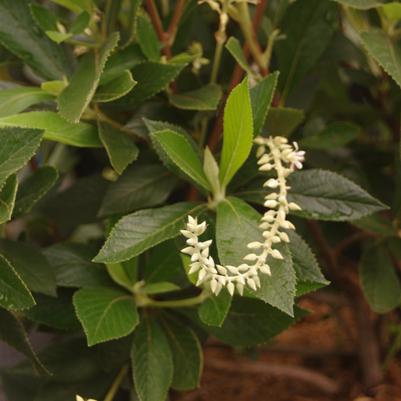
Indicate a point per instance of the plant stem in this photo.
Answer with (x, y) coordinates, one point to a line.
(176, 303)
(116, 384)
(216, 62)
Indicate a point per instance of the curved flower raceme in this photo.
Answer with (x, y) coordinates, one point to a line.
(275, 153)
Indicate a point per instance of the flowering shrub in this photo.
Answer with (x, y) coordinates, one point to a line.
(168, 172)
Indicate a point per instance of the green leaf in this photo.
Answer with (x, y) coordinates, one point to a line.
(392, 11)
(182, 154)
(261, 98)
(121, 149)
(46, 20)
(325, 195)
(105, 314)
(211, 170)
(147, 39)
(14, 294)
(15, 100)
(80, 23)
(74, 99)
(334, 136)
(252, 322)
(7, 198)
(205, 98)
(53, 88)
(214, 309)
(159, 288)
(75, 6)
(379, 280)
(34, 188)
(309, 275)
(12, 332)
(30, 265)
(152, 361)
(308, 27)
(58, 37)
(237, 225)
(283, 121)
(73, 267)
(360, 4)
(115, 88)
(124, 273)
(139, 231)
(234, 47)
(17, 147)
(386, 52)
(152, 78)
(237, 133)
(138, 187)
(55, 128)
(19, 34)
(377, 224)
(187, 355)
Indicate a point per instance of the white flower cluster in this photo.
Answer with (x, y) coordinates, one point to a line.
(275, 153)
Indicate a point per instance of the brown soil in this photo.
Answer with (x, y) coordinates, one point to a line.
(313, 361)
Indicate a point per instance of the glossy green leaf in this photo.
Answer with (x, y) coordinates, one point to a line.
(385, 51)
(237, 133)
(31, 265)
(261, 98)
(187, 354)
(152, 361)
(121, 149)
(34, 188)
(252, 322)
(307, 269)
(147, 38)
(138, 187)
(283, 121)
(19, 34)
(74, 99)
(8, 193)
(14, 294)
(182, 154)
(325, 195)
(237, 225)
(124, 273)
(105, 314)
(205, 98)
(334, 136)
(55, 128)
(15, 100)
(379, 280)
(139, 231)
(115, 88)
(17, 147)
(234, 47)
(214, 309)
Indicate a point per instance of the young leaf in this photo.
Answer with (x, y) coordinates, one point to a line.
(115, 88)
(74, 99)
(380, 283)
(205, 98)
(14, 294)
(187, 355)
(17, 147)
(15, 100)
(325, 195)
(124, 273)
(214, 309)
(252, 322)
(283, 120)
(121, 150)
(152, 361)
(309, 275)
(7, 198)
(386, 52)
(19, 34)
(138, 187)
(211, 170)
(55, 128)
(147, 39)
(237, 225)
(238, 132)
(34, 188)
(261, 98)
(30, 265)
(105, 314)
(139, 231)
(234, 47)
(182, 154)
(12, 332)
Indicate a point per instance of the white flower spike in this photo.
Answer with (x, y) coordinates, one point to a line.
(275, 153)
(79, 398)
